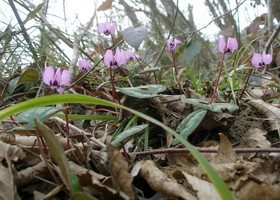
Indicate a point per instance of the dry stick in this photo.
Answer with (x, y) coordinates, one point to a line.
(247, 80)
(272, 37)
(67, 126)
(25, 34)
(45, 158)
(206, 150)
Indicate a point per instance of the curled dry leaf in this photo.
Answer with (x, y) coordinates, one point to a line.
(160, 182)
(121, 178)
(105, 5)
(7, 185)
(225, 153)
(208, 191)
(269, 111)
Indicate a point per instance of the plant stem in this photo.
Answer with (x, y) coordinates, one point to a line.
(218, 80)
(114, 93)
(246, 83)
(205, 150)
(176, 72)
(67, 127)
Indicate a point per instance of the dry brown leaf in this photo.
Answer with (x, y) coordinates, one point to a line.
(258, 192)
(27, 175)
(7, 184)
(160, 182)
(269, 111)
(208, 191)
(121, 178)
(225, 153)
(107, 4)
(49, 196)
(255, 137)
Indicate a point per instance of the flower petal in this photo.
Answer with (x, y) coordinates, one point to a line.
(101, 27)
(108, 58)
(222, 45)
(232, 44)
(256, 59)
(267, 58)
(60, 90)
(48, 75)
(57, 76)
(65, 77)
(112, 28)
(120, 57)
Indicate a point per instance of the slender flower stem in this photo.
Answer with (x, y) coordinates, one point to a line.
(246, 83)
(112, 37)
(218, 80)
(114, 93)
(176, 72)
(67, 127)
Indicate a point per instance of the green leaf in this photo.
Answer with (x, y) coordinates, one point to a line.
(189, 124)
(41, 113)
(215, 107)
(82, 196)
(56, 152)
(12, 85)
(129, 132)
(76, 186)
(88, 117)
(146, 91)
(191, 50)
(30, 74)
(219, 184)
(33, 13)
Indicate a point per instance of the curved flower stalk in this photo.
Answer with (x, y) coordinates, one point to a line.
(258, 61)
(226, 48)
(114, 62)
(171, 45)
(56, 80)
(84, 65)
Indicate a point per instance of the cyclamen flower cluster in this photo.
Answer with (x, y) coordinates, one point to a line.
(84, 65)
(107, 28)
(56, 80)
(229, 47)
(172, 43)
(261, 60)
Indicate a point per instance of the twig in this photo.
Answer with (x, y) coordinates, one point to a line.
(25, 34)
(172, 26)
(206, 150)
(272, 37)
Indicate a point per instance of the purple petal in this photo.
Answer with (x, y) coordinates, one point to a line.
(120, 57)
(113, 28)
(232, 44)
(84, 65)
(57, 76)
(101, 27)
(222, 45)
(177, 42)
(48, 75)
(60, 90)
(65, 77)
(108, 58)
(256, 59)
(267, 58)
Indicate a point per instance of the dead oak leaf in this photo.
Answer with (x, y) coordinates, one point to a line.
(160, 182)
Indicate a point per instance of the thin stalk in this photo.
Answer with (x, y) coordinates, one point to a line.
(218, 80)
(176, 72)
(246, 83)
(205, 150)
(115, 95)
(67, 127)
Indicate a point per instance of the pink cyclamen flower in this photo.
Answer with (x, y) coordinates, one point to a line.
(171, 44)
(130, 55)
(114, 62)
(84, 65)
(229, 47)
(107, 28)
(56, 80)
(260, 61)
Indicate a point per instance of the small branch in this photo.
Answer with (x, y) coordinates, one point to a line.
(272, 37)
(206, 150)
(25, 34)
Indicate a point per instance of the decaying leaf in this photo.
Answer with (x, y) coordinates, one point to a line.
(269, 111)
(121, 178)
(107, 4)
(7, 185)
(208, 191)
(160, 182)
(225, 153)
